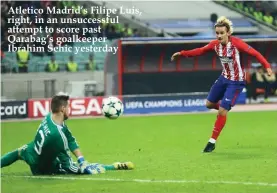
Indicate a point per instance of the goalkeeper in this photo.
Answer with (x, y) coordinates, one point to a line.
(49, 152)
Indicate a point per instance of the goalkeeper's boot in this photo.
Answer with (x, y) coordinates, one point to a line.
(124, 165)
(209, 147)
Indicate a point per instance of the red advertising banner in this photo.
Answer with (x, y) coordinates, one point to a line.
(78, 107)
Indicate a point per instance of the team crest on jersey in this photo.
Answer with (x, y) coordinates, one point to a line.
(230, 51)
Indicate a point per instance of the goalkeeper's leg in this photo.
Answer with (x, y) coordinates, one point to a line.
(66, 164)
(120, 166)
(11, 157)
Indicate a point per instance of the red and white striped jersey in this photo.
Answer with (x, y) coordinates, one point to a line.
(229, 56)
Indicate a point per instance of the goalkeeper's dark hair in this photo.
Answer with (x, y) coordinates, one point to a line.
(58, 101)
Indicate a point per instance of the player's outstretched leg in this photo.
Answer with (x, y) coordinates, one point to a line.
(228, 101)
(218, 126)
(9, 158)
(120, 166)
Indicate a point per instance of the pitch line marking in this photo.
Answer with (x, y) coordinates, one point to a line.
(147, 180)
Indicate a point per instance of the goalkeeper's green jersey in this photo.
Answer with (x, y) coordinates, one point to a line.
(50, 141)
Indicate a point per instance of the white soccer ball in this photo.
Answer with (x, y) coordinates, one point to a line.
(112, 107)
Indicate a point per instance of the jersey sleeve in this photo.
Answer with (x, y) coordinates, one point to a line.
(72, 144)
(244, 47)
(198, 51)
(67, 164)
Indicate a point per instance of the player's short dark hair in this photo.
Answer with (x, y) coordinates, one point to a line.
(58, 101)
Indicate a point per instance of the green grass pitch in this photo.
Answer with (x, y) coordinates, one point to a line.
(166, 151)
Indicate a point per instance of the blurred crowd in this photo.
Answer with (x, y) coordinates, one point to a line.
(260, 84)
(264, 11)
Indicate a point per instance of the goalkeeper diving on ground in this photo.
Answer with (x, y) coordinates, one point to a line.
(49, 152)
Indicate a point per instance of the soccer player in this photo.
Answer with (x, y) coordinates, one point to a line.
(224, 92)
(49, 152)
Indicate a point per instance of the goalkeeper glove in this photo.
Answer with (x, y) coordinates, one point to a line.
(87, 168)
(99, 168)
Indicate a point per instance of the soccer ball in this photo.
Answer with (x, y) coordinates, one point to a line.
(112, 107)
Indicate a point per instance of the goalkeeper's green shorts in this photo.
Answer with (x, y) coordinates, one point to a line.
(63, 164)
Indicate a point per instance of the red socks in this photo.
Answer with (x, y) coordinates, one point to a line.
(218, 126)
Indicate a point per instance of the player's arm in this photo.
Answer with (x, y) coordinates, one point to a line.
(72, 144)
(194, 52)
(85, 167)
(244, 47)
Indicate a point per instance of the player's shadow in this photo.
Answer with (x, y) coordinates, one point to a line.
(236, 155)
